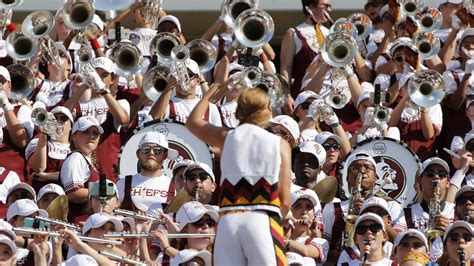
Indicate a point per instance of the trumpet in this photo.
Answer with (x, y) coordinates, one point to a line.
(254, 28)
(381, 117)
(435, 210)
(180, 54)
(127, 57)
(162, 45)
(84, 57)
(363, 25)
(121, 258)
(233, 8)
(21, 47)
(344, 25)
(410, 7)
(339, 49)
(22, 81)
(155, 81)
(46, 122)
(78, 14)
(150, 9)
(29, 231)
(148, 235)
(426, 88)
(427, 44)
(204, 53)
(10, 4)
(429, 19)
(138, 216)
(58, 222)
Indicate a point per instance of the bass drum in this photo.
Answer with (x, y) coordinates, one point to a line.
(179, 138)
(397, 167)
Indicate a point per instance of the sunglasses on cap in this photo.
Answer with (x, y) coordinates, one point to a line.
(374, 228)
(432, 173)
(148, 149)
(457, 237)
(202, 222)
(328, 146)
(202, 176)
(463, 199)
(305, 105)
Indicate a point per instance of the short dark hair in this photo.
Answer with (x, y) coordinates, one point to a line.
(308, 3)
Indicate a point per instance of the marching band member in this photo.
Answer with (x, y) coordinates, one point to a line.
(47, 194)
(465, 204)
(409, 241)
(285, 127)
(111, 203)
(200, 182)
(178, 179)
(458, 243)
(308, 159)
(8, 251)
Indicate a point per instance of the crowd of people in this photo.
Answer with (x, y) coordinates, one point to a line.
(284, 187)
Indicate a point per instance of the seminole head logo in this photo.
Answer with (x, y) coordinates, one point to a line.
(391, 178)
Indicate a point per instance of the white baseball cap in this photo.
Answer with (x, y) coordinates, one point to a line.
(4, 72)
(402, 41)
(24, 207)
(410, 233)
(304, 194)
(325, 135)
(308, 134)
(172, 19)
(293, 258)
(97, 220)
(369, 217)
(50, 188)
(105, 63)
(80, 260)
(7, 241)
(128, 220)
(85, 122)
(440, 2)
(304, 96)
(98, 21)
(468, 137)
(192, 212)
(186, 255)
(63, 110)
(434, 160)
(464, 189)
(182, 163)
(159, 139)
(200, 165)
(360, 156)
(458, 224)
(7, 229)
(313, 148)
(375, 202)
(24, 186)
(289, 123)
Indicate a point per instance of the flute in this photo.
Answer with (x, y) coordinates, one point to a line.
(148, 235)
(448, 151)
(58, 222)
(120, 258)
(29, 231)
(138, 216)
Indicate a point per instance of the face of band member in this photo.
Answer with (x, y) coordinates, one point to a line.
(47, 198)
(199, 179)
(86, 141)
(205, 225)
(408, 244)
(6, 255)
(332, 149)
(98, 233)
(19, 220)
(373, 10)
(459, 238)
(64, 121)
(303, 108)
(306, 168)
(18, 194)
(282, 132)
(170, 27)
(105, 76)
(303, 210)
(467, 44)
(464, 204)
(151, 156)
(6, 85)
(178, 178)
(434, 173)
(372, 232)
(367, 169)
(320, 9)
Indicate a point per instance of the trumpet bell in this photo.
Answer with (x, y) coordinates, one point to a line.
(204, 53)
(22, 81)
(84, 55)
(381, 115)
(339, 98)
(10, 4)
(363, 25)
(127, 57)
(38, 24)
(339, 49)
(180, 53)
(78, 14)
(343, 25)
(155, 82)
(254, 27)
(162, 44)
(20, 47)
(233, 8)
(427, 88)
(410, 7)
(429, 20)
(427, 44)
(39, 116)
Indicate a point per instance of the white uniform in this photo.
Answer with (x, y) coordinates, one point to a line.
(11, 180)
(75, 172)
(51, 92)
(382, 262)
(345, 257)
(184, 107)
(56, 150)
(321, 244)
(228, 114)
(142, 38)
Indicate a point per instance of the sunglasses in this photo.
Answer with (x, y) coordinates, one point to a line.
(431, 174)
(305, 105)
(202, 222)
(61, 118)
(202, 176)
(335, 146)
(148, 149)
(470, 147)
(457, 237)
(374, 228)
(463, 199)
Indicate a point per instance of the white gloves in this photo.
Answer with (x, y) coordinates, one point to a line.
(369, 116)
(331, 119)
(469, 66)
(4, 102)
(223, 12)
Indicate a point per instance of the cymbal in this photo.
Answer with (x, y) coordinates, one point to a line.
(181, 198)
(58, 208)
(326, 189)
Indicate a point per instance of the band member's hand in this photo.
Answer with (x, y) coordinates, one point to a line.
(358, 203)
(172, 83)
(43, 177)
(369, 116)
(466, 160)
(221, 71)
(171, 226)
(71, 239)
(442, 222)
(162, 236)
(40, 246)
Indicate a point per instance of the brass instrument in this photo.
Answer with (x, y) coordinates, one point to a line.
(21, 47)
(363, 25)
(204, 53)
(46, 122)
(29, 231)
(233, 8)
(138, 216)
(148, 235)
(381, 115)
(58, 222)
(339, 49)
(150, 9)
(10, 4)
(427, 44)
(435, 210)
(410, 7)
(78, 14)
(155, 81)
(254, 28)
(121, 258)
(84, 58)
(127, 57)
(352, 214)
(426, 88)
(344, 25)
(429, 19)
(22, 81)
(162, 45)
(180, 54)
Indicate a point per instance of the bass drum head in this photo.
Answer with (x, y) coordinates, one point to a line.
(395, 161)
(179, 138)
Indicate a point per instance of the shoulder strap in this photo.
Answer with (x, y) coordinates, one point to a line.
(351, 253)
(172, 110)
(301, 37)
(409, 217)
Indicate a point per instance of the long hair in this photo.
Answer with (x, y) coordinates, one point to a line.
(253, 107)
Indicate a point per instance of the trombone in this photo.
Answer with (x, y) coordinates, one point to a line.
(162, 45)
(233, 8)
(148, 235)
(29, 231)
(253, 28)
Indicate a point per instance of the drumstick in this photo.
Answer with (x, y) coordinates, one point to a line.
(448, 151)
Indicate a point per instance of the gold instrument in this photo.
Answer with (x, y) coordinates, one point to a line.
(427, 44)
(254, 28)
(326, 189)
(181, 198)
(352, 214)
(46, 122)
(78, 14)
(120, 258)
(58, 222)
(180, 54)
(58, 208)
(155, 81)
(162, 45)
(429, 19)
(426, 88)
(22, 81)
(148, 235)
(339, 49)
(435, 210)
(233, 8)
(127, 57)
(204, 53)
(24, 231)
(138, 216)
(21, 47)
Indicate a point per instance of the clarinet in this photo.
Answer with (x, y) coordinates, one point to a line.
(366, 253)
(462, 259)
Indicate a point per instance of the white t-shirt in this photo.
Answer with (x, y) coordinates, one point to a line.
(309, 33)
(51, 92)
(10, 181)
(99, 109)
(321, 244)
(147, 193)
(56, 150)
(142, 38)
(344, 257)
(420, 218)
(228, 114)
(184, 107)
(74, 172)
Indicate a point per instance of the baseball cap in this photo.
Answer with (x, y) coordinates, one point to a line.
(4, 72)
(289, 123)
(360, 156)
(63, 110)
(308, 134)
(182, 163)
(304, 194)
(362, 97)
(458, 224)
(50, 188)
(374, 202)
(464, 189)
(192, 212)
(370, 217)
(24, 186)
(172, 19)
(24, 207)
(313, 148)
(468, 137)
(199, 165)
(440, 2)
(128, 220)
(97, 220)
(7, 229)
(80, 260)
(159, 139)
(98, 21)
(7, 241)
(325, 135)
(293, 258)
(186, 255)
(234, 67)
(85, 122)
(434, 160)
(304, 96)
(105, 63)
(410, 233)
(191, 65)
(402, 41)
(466, 33)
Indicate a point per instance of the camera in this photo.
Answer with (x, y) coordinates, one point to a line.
(379, 97)
(94, 189)
(124, 34)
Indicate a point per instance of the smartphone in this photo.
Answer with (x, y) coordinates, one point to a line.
(94, 189)
(36, 224)
(124, 34)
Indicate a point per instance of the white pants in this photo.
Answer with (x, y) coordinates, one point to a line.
(249, 238)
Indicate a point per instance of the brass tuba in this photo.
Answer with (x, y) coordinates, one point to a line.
(233, 8)
(78, 14)
(426, 88)
(127, 57)
(204, 53)
(254, 28)
(339, 49)
(427, 44)
(162, 44)
(155, 81)
(381, 116)
(22, 81)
